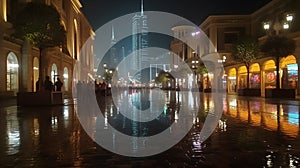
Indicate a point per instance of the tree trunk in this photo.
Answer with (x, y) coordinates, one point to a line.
(248, 76)
(277, 74)
(41, 76)
(207, 81)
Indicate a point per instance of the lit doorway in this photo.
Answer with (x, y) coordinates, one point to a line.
(35, 72)
(232, 80)
(66, 79)
(289, 71)
(12, 76)
(53, 73)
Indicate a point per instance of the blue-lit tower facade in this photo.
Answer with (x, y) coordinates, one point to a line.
(139, 43)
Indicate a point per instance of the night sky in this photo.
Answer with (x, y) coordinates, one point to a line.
(98, 12)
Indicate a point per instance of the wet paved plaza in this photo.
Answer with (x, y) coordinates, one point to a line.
(252, 132)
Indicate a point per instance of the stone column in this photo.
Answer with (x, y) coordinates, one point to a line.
(262, 80)
(298, 84)
(24, 68)
(2, 53)
(2, 61)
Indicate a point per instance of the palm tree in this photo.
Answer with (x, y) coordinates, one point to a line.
(246, 51)
(278, 47)
(201, 69)
(163, 78)
(40, 24)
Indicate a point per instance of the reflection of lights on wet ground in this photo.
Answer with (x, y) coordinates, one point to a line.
(118, 110)
(66, 112)
(293, 118)
(293, 114)
(294, 161)
(269, 160)
(196, 144)
(36, 127)
(224, 104)
(111, 111)
(54, 123)
(179, 96)
(208, 104)
(222, 125)
(165, 109)
(13, 133)
(66, 115)
(191, 100)
(13, 141)
(176, 117)
(255, 106)
(233, 103)
(105, 120)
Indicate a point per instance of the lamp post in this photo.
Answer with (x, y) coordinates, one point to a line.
(277, 25)
(278, 45)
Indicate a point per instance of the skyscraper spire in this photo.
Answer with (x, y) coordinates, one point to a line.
(113, 40)
(142, 7)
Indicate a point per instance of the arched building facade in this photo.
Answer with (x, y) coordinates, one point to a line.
(224, 29)
(19, 60)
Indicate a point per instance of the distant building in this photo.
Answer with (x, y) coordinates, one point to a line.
(113, 60)
(19, 61)
(275, 18)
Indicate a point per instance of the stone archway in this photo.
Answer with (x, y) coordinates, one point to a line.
(289, 72)
(12, 75)
(255, 76)
(35, 72)
(242, 77)
(232, 80)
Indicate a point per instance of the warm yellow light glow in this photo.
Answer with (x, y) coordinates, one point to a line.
(242, 70)
(288, 60)
(232, 72)
(4, 10)
(269, 65)
(254, 68)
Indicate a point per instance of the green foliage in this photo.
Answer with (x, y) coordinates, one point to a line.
(40, 24)
(202, 69)
(246, 50)
(108, 75)
(278, 46)
(162, 77)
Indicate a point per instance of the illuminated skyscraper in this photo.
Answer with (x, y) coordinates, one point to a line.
(113, 61)
(139, 42)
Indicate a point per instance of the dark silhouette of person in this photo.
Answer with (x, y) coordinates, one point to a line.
(37, 85)
(48, 84)
(58, 84)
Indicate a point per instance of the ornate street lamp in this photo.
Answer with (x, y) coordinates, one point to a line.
(277, 25)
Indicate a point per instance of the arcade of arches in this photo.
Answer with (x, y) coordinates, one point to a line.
(12, 83)
(262, 75)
